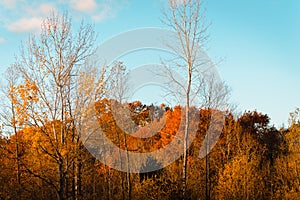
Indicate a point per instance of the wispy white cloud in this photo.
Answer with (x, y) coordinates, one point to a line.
(8, 3)
(98, 11)
(31, 17)
(108, 9)
(41, 10)
(105, 12)
(2, 40)
(25, 25)
(83, 5)
(21, 16)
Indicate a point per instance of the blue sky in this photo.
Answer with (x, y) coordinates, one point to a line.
(257, 41)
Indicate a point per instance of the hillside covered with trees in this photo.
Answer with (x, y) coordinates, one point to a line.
(251, 160)
(55, 101)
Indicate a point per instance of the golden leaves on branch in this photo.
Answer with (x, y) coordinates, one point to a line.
(22, 97)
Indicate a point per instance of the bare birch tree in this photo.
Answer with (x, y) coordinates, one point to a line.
(187, 19)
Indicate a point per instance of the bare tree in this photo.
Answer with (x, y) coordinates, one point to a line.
(187, 19)
(118, 90)
(52, 62)
(8, 114)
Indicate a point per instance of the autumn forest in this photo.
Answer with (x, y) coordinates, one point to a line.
(53, 96)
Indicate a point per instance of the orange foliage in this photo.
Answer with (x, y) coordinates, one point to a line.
(22, 97)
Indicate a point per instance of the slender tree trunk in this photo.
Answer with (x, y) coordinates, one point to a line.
(61, 181)
(94, 188)
(17, 149)
(186, 133)
(207, 166)
(18, 167)
(128, 169)
(129, 185)
(120, 157)
(108, 185)
(77, 179)
(207, 182)
(18, 161)
(128, 165)
(73, 181)
(298, 177)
